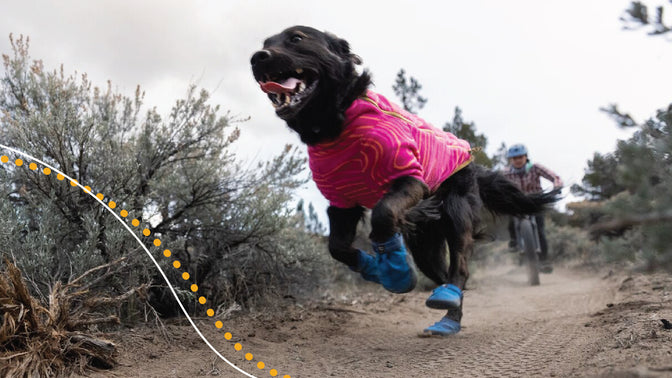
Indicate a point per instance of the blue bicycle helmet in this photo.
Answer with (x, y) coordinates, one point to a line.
(516, 150)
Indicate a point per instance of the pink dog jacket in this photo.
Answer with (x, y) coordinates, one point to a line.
(380, 143)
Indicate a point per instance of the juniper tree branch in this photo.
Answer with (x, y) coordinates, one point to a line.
(632, 220)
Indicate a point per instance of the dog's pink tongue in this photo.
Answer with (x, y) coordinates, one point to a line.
(286, 86)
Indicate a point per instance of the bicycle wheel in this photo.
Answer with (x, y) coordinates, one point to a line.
(527, 234)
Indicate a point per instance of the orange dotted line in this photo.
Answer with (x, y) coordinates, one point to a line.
(167, 253)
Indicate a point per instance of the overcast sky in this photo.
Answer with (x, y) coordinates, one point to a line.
(533, 72)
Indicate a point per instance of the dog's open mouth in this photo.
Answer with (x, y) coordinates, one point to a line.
(288, 92)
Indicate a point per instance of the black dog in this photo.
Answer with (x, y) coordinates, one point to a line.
(310, 78)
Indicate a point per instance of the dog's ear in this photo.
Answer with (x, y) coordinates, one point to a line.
(341, 47)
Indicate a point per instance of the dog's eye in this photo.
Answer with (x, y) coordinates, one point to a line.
(296, 38)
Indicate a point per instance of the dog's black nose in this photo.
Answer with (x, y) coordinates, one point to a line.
(260, 56)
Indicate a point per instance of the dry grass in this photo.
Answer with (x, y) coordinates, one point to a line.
(40, 340)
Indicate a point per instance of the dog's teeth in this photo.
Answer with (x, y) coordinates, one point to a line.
(301, 87)
(299, 71)
(283, 99)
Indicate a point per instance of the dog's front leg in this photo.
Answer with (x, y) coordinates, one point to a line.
(395, 271)
(388, 214)
(342, 232)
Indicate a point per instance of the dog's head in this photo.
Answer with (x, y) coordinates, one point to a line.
(310, 78)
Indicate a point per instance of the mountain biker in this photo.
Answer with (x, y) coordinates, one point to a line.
(527, 176)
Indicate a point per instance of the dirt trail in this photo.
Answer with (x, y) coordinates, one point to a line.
(509, 330)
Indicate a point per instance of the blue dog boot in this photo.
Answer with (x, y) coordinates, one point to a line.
(445, 297)
(444, 327)
(396, 273)
(367, 266)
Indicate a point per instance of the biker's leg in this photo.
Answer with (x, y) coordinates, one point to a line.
(541, 230)
(513, 238)
(545, 265)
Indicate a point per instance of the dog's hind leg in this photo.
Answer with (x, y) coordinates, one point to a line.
(461, 248)
(427, 243)
(461, 212)
(461, 245)
(462, 207)
(461, 219)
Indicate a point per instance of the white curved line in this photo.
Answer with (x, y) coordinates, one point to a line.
(143, 247)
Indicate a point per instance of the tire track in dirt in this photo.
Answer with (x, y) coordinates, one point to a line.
(510, 330)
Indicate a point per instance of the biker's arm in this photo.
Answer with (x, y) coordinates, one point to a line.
(549, 175)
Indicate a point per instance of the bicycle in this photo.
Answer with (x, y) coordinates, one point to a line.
(527, 236)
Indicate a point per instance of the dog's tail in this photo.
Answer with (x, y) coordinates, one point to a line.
(501, 196)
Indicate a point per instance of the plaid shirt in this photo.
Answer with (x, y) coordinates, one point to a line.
(530, 181)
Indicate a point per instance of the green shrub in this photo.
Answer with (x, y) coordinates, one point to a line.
(231, 228)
